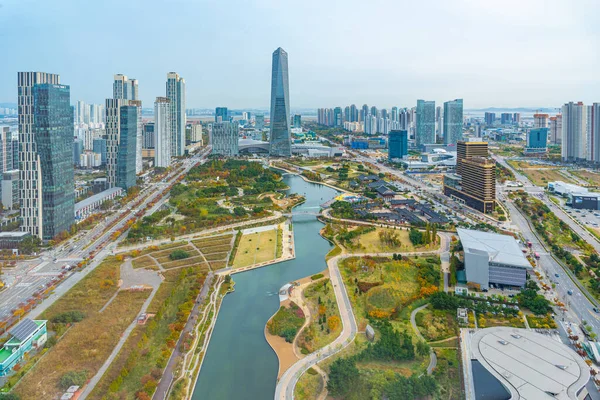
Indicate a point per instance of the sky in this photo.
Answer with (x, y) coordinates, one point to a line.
(491, 53)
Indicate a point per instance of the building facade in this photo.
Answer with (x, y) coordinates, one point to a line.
(176, 95)
(162, 129)
(126, 153)
(54, 138)
(453, 121)
(537, 141)
(225, 138)
(397, 144)
(574, 143)
(425, 133)
(222, 114)
(594, 132)
(280, 135)
(99, 147)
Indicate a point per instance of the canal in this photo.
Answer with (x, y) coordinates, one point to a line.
(239, 363)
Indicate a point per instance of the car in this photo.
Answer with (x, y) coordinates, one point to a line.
(596, 310)
(557, 275)
(570, 292)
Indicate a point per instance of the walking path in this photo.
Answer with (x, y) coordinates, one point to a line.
(413, 322)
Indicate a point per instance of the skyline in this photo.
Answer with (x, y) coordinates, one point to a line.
(496, 54)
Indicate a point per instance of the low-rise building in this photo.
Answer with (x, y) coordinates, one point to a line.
(491, 258)
(584, 201)
(28, 334)
(565, 189)
(87, 206)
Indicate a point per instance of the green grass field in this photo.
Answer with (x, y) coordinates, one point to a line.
(256, 248)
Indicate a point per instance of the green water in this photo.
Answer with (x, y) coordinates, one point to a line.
(239, 363)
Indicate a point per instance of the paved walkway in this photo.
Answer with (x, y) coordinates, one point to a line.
(413, 322)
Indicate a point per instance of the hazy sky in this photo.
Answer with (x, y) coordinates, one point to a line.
(491, 53)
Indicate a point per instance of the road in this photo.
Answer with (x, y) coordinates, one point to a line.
(33, 277)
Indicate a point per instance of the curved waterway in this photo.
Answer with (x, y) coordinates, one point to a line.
(239, 363)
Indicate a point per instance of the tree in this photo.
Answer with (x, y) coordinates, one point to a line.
(73, 378)
(239, 211)
(422, 348)
(415, 236)
(342, 373)
(333, 322)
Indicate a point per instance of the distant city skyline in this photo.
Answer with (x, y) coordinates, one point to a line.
(488, 53)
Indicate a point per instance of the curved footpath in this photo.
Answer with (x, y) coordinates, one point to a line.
(413, 322)
(287, 382)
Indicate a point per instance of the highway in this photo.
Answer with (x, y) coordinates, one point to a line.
(34, 276)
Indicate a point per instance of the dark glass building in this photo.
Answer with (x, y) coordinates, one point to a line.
(99, 147)
(397, 144)
(280, 139)
(127, 146)
(53, 118)
(221, 114)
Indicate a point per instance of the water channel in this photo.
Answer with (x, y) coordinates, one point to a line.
(239, 363)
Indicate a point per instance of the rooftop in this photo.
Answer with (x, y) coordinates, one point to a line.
(529, 364)
(92, 199)
(502, 249)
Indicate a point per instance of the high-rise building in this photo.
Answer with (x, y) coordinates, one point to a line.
(225, 138)
(574, 142)
(259, 121)
(490, 118)
(594, 132)
(540, 120)
(537, 142)
(517, 118)
(353, 113)
(474, 183)
(77, 150)
(149, 136)
(364, 111)
(425, 122)
(347, 114)
(6, 157)
(99, 147)
(196, 133)
(46, 170)
(506, 118)
(280, 143)
(162, 130)
(124, 88)
(338, 119)
(222, 115)
(397, 144)
(10, 189)
(176, 95)
(54, 140)
(556, 129)
(453, 121)
(127, 146)
(374, 111)
(297, 121)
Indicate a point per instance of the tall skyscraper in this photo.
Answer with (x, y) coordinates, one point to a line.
(225, 138)
(149, 136)
(353, 113)
(99, 147)
(162, 129)
(126, 155)
(124, 88)
(53, 142)
(221, 114)
(397, 144)
(364, 111)
(490, 118)
(46, 151)
(540, 120)
(280, 139)
(453, 121)
(297, 121)
(594, 132)
(556, 129)
(425, 122)
(337, 117)
(574, 143)
(176, 95)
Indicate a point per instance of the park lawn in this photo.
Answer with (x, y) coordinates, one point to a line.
(370, 243)
(144, 262)
(215, 265)
(488, 320)
(309, 385)
(183, 262)
(591, 177)
(83, 347)
(256, 248)
(145, 353)
(91, 293)
(313, 337)
(448, 374)
(397, 284)
(436, 325)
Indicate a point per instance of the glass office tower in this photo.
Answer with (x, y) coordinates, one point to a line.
(54, 139)
(425, 122)
(280, 139)
(453, 121)
(126, 154)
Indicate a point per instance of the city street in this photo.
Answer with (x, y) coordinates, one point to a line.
(34, 276)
